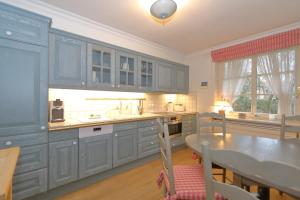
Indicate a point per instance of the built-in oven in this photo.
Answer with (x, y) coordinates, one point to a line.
(175, 126)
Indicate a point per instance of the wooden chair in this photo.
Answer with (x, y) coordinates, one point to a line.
(229, 192)
(289, 124)
(181, 181)
(213, 122)
(273, 173)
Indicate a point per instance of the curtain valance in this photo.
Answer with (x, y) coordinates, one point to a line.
(262, 45)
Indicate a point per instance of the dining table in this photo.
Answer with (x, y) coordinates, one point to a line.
(261, 148)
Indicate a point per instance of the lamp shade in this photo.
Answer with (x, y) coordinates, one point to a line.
(163, 9)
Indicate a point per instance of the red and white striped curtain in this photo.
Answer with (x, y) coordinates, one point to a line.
(266, 44)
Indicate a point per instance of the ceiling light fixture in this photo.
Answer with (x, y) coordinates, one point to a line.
(163, 9)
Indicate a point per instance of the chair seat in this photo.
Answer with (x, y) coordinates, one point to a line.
(189, 183)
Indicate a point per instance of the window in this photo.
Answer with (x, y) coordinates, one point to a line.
(261, 84)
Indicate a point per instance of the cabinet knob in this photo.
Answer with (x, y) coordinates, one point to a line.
(8, 32)
(43, 127)
(152, 128)
(118, 86)
(116, 135)
(8, 143)
(82, 83)
(113, 85)
(151, 142)
(152, 122)
(74, 142)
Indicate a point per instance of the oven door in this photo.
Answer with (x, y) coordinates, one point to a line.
(175, 129)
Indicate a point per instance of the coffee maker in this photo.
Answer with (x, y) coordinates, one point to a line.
(56, 111)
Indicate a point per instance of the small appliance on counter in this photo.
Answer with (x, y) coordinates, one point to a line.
(56, 111)
(178, 107)
(170, 107)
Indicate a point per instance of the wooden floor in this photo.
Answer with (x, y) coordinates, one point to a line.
(138, 183)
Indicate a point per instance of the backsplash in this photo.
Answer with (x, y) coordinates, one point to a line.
(78, 107)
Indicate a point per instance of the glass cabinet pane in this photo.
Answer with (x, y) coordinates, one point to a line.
(106, 75)
(149, 82)
(150, 66)
(123, 63)
(96, 57)
(144, 80)
(106, 59)
(123, 78)
(131, 64)
(130, 78)
(96, 74)
(144, 67)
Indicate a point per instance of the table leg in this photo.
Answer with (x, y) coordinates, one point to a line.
(264, 193)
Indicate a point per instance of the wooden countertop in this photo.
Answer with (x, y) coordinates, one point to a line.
(8, 161)
(121, 119)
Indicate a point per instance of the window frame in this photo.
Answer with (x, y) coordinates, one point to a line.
(254, 77)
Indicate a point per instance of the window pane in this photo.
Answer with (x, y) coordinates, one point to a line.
(267, 104)
(262, 85)
(242, 104)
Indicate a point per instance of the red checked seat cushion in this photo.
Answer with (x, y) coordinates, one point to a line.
(189, 183)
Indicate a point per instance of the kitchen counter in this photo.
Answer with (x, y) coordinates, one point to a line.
(8, 161)
(113, 120)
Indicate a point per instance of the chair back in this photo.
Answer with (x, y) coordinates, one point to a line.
(212, 120)
(166, 153)
(274, 173)
(289, 124)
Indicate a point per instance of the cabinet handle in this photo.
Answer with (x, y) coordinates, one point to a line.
(8, 143)
(43, 127)
(74, 142)
(113, 85)
(82, 83)
(116, 135)
(118, 86)
(8, 32)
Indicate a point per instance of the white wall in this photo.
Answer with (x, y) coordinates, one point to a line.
(70, 22)
(202, 69)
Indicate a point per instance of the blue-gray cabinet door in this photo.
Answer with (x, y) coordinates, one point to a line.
(124, 147)
(146, 74)
(100, 67)
(63, 163)
(126, 71)
(67, 62)
(181, 79)
(95, 155)
(24, 88)
(165, 77)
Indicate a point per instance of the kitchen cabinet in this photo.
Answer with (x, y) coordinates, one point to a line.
(146, 74)
(126, 71)
(63, 162)
(67, 64)
(24, 88)
(165, 76)
(124, 147)
(181, 79)
(100, 67)
(189, 124)
(95, 154)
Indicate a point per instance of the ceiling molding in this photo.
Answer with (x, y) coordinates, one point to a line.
(117, 37)
(247, 39)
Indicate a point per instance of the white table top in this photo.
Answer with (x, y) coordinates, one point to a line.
(260, 148)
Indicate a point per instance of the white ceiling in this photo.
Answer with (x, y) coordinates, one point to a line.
(197, 25)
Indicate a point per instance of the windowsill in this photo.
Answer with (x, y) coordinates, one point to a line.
(261, 119)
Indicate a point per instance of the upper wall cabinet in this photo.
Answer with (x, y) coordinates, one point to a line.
(181, 79)
(146, 74)
(126, 74)
(23, 86)
(20, 25)
(165, 76)
(100, 67)
(67, 65)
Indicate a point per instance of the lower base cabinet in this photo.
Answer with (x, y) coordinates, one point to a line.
(124, 147)
(63, 162)
(95, 155)
(148, 148)
(30, 183)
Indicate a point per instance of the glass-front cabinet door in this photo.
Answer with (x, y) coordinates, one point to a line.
(126, 70)
(101, 67)
(146, 78)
